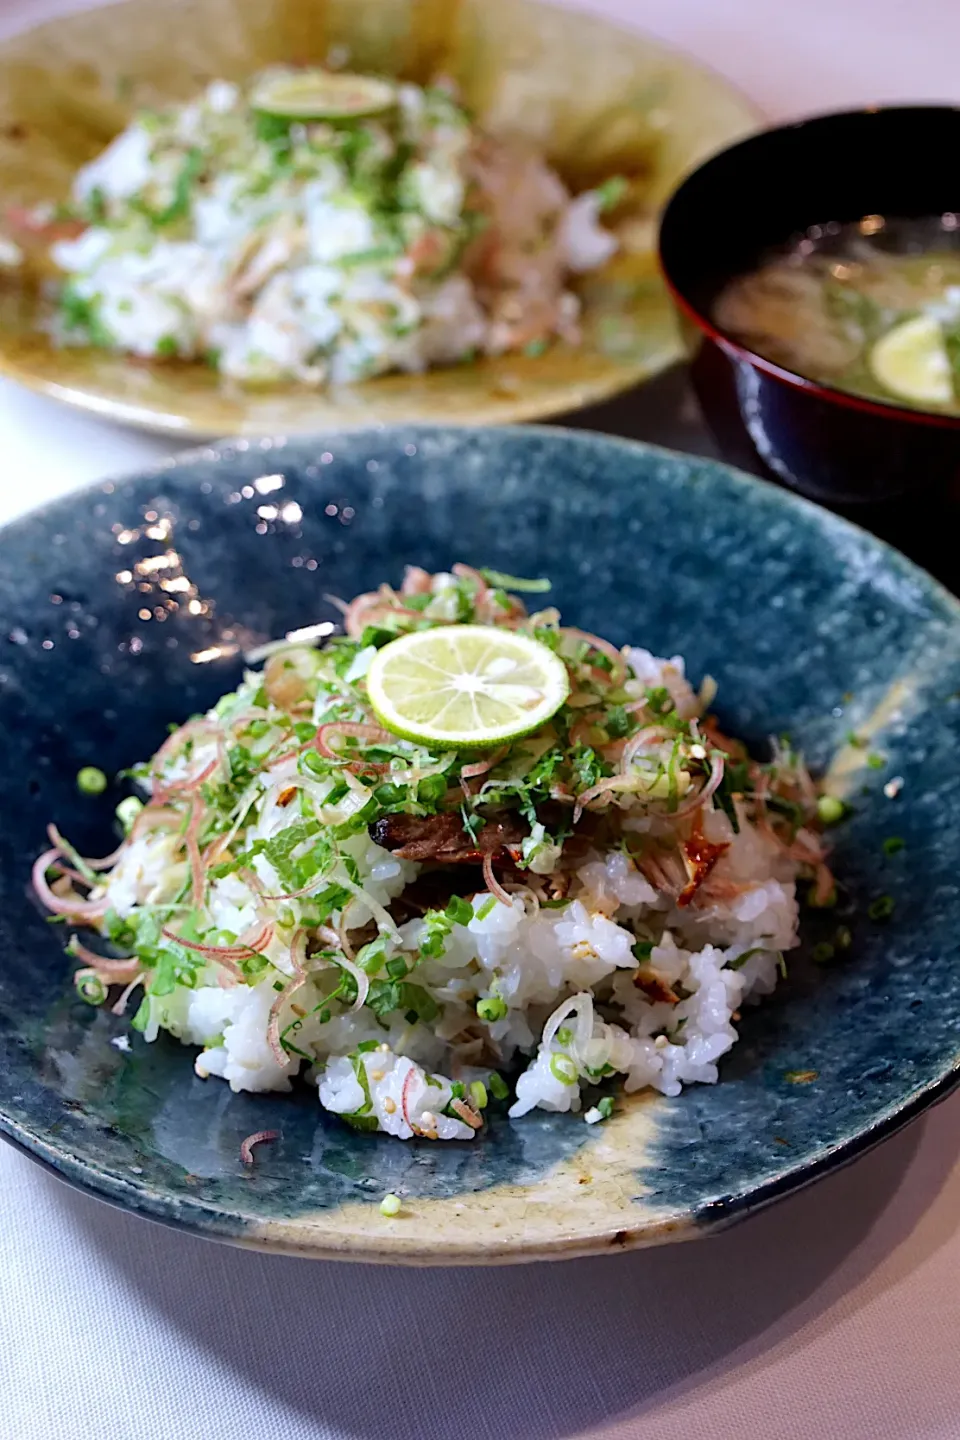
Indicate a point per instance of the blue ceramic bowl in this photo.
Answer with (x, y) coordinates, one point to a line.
(809, 625)
(758, 195)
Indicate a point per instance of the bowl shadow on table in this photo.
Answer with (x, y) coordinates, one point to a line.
(584, 1343)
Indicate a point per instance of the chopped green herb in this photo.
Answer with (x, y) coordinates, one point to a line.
(90, 987)
(478, 1095)
(741, 960)
(179, 206)
(459, 911)
(875, 761)
(491, 1009)
(563, 1069)
(515, 583)
(127, 812)
(91, 781)
(893, 844)
(610, 193)
(822, 953)
(497, 1086)
(881, 908)
(830, 809)
(605, 1106)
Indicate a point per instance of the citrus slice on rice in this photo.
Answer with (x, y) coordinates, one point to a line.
(465, 685)
(322, 95)
(911, 362)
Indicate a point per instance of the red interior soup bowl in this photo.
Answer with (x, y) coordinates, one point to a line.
(812, 193)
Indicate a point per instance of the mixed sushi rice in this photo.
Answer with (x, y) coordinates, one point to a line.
(421, 932)
(319, 250)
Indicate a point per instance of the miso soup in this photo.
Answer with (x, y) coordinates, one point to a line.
(871, 307)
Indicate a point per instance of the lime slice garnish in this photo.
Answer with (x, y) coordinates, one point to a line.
(911, 362)
(465, 685)
(322, 95)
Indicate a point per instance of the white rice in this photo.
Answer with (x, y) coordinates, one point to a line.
(279, 271)
(565, 977)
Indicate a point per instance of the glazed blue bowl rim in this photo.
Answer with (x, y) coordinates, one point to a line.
(199, 1217)
(737, 351)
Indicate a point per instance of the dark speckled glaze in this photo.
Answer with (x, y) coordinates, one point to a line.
(809, 625)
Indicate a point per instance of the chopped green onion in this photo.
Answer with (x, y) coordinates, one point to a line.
(127, 812)
(843, 937)
(823, 953)
(876, 762)
(893, 845)
(497, 1086)
(486, 907)
(91, 781)
(610, 193)
(391, 1205)
(515, 583)
(478, 1095)
(491, 1008)
(458, 910)
(831, 809)
(90, 987)
(881, 908)
(563, 1068)
(605, 1106)
(564, 1035)
(431, 790)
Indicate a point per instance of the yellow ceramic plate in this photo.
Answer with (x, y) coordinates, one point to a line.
(597, 99)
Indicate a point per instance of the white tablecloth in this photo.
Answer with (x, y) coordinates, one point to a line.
(836, 1314)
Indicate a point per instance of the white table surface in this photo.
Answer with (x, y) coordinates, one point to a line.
(836, 1314)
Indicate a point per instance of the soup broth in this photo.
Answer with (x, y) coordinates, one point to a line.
(871, 307)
